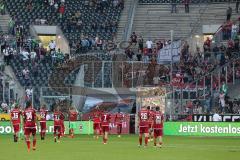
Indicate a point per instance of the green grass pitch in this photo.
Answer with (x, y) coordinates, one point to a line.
(84, 147)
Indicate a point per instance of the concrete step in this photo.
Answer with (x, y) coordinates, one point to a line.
(156, 20)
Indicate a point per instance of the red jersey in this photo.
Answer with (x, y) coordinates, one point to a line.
(43, 115)
(151, 115)
(15, 116)
(73, 116)
(58, 117)
(119, 118)
(97, 118)
(105, 119)
(158, 120)
(143, 118)
(30, 118)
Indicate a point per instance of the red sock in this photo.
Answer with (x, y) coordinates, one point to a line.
(28, 144)
(146, 141)
(140, 140)
(34, 143)
(59, 135)
(41, 134)
(44, 134)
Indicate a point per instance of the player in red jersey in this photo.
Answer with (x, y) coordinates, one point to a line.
(73, 114)
(43, 124)
(105, 120)
(96, 124)
(143, 117)
(57, 117)
(119, 118)
(16, 121)
(30, 118)
(151, 114)
(158, 127)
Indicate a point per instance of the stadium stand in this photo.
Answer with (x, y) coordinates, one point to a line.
(80, 20)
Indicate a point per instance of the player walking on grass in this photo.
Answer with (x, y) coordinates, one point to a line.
(151, 114)
(96, 124)
(119, 118)
(57, 117)
(43, 123)
(73, 114)
(30, 118)
(105, 120)
(16, 121)
(143, 117)
(158, 127)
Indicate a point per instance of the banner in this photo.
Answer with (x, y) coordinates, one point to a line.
(209, 118)
(82, 127)
(164, 55)
(201, 129)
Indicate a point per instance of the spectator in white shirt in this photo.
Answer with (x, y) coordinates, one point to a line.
(216, 117)
(6, 53)
(52, 46)
(234, 31)
(29, 93)
(25, 55)
(149, 44)
(33, 56)
(222, 101)
(156, 81)
(25, 73)
(4, 106)
(56, 6)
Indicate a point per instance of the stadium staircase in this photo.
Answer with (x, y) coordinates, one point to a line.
(4, 19)
(123, 21)
(155, 21)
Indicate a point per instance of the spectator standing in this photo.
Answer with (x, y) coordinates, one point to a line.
(149, 44)
(7, 54)
(26, 73)
(61, 10)
(186, 4)
(237, 5)
(174, 6)
(133, 38)
(56, 6)
(140, 44)
(222, 101)
(52, 46)
(207, 45)
(234, 31)
(229, 13)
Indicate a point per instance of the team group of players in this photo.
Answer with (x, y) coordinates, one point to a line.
(29, 117)
(150, 123)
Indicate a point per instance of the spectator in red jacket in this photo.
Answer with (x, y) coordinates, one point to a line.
(61, 10)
